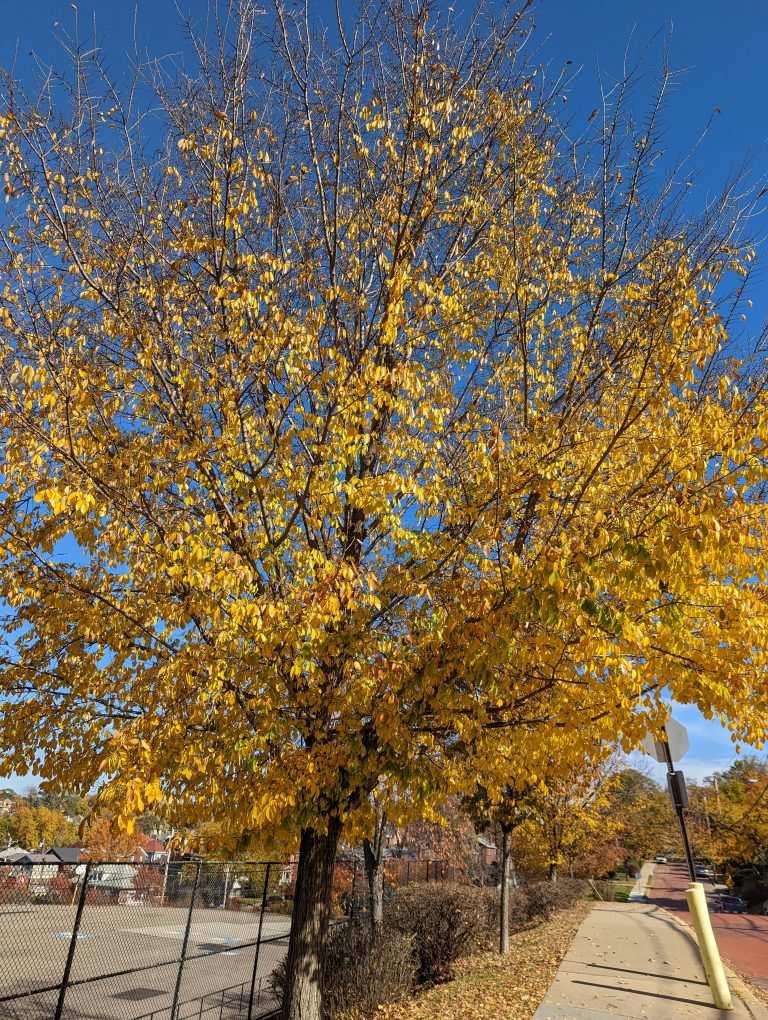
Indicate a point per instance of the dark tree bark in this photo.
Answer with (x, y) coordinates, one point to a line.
(309, 923)
(506, 834)
(374, 870)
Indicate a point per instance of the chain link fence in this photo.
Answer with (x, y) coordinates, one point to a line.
(167, 940)
(119, 940)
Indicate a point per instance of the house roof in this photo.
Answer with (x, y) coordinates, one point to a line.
(11, 853)
(113, 876)
(154, 846)
(486, 844)
(38, 859)
(66, 854)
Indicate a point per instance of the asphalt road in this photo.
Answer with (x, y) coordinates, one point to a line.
(34, 941)
(742, 938)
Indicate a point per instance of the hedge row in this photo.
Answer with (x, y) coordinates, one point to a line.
(427, 928)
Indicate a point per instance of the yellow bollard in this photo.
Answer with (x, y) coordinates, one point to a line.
(710, 955)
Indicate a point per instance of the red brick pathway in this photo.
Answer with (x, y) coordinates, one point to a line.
(742, 938)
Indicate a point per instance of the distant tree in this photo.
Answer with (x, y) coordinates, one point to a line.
(67, 803)
(24, 828)
(54, 829)
(643, 816)
(149, 882)
(570, 821)
(152, 823)
(5, 828)
(448, 835)
(513, 808)
(729, 815)
(58, 889)
(103, 840)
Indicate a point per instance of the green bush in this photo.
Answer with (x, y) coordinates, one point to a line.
(444, 922)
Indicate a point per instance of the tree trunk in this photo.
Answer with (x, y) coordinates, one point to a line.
(552, 871)
(374, 872)
(373, 855)
(309, 924)
(506, 833)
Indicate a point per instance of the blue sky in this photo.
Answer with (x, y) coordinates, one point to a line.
(721, 46)
(722, 51)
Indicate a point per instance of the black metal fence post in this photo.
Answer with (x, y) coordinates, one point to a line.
(72, 944)
(352, 895)
(258, 940)
(185, 943)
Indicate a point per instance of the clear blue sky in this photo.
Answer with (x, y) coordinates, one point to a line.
(721, 45)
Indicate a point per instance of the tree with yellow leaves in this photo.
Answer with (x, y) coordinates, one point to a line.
(38, 827)
(571, 819)
(643, 814)
(514, 807)
(729, 815)
(362, 420)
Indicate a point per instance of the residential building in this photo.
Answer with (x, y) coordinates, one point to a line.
(66, 854)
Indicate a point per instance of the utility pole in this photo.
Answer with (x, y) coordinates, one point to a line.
(706, 817)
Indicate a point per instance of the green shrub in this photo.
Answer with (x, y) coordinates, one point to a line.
(444, 921)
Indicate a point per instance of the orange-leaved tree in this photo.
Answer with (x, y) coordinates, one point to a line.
(352, 415)
(104, 841)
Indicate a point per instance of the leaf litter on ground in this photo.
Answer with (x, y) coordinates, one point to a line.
(489, 985)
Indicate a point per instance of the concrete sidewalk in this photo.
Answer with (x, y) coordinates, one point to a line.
(640, 890)
(637, 961)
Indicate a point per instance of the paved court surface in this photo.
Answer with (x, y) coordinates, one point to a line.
(34, 941)
(742, 938)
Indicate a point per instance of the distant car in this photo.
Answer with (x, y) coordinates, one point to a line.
(730, 905)
(660, 859)
(704, 873)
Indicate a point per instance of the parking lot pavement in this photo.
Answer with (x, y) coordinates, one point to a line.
(741, 938)
(221, 950)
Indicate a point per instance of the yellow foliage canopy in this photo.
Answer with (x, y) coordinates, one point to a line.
(326, 453)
